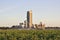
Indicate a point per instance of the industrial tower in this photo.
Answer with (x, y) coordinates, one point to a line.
(29, 19)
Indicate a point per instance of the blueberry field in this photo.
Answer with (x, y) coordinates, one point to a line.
(14, 34)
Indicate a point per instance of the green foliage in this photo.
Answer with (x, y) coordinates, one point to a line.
(14, 34)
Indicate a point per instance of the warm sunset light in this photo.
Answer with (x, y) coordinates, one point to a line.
(29, 19)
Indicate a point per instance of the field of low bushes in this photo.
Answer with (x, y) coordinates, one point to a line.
(14, 34)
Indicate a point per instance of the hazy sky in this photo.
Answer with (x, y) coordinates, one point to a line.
(12, 12)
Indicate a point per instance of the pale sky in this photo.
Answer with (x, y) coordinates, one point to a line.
(12, 12)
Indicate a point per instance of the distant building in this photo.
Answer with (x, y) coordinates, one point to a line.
(21, 25)
(42, 26)
(29, 19)
(36, 26)
(25, 24)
